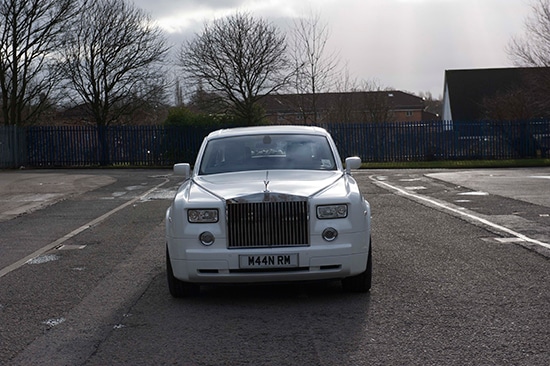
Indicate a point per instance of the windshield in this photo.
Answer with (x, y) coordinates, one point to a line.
(267, 152)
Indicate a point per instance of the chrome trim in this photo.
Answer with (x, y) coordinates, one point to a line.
(273, 221)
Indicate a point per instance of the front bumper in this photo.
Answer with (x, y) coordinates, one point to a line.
(316, 262)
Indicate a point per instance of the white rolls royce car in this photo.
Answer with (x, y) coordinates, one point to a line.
(268, 204)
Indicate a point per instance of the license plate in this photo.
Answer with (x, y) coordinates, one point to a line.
(268, 261)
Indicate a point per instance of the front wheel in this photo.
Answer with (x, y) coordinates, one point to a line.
(177, 287)
(362, 281)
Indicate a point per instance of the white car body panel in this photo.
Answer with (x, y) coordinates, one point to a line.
(345, 256)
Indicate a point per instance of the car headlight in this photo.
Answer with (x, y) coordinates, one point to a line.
(332, 211)
(201, 216)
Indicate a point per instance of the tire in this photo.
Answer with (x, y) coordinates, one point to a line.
(362, 281)
(177, 287)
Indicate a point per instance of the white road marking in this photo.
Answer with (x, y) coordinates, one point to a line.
(53, 322)
(416, 188)
(410, 179)
(508, 240)
(43, 259)
(60, 241)
(70, 247)
(162, 194)
(473, 194)
(133, 188)
(462, 213)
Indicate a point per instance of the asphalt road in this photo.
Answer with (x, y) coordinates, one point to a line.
(461, 268)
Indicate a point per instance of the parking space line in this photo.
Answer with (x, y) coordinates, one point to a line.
(12, 267)
(461, 213)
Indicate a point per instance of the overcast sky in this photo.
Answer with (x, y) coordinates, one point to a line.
(403, 44)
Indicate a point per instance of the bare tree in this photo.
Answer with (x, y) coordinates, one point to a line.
(533, 49)
(508, 105)
(316, 68)
(366, 102)
(113, 60)
(240, 58)
(346, 82)
(30, 32)
(377, 106)
(433, 105)
(524, 98)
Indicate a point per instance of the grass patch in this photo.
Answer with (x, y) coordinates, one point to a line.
(461, 164)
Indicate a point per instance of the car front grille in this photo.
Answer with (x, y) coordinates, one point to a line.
(267, 224)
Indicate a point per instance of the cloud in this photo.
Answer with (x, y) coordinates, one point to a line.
(166, 8)
(179, 17)
(406, 44)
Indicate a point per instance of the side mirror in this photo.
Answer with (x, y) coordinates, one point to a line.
(353, 162)
(183, 169)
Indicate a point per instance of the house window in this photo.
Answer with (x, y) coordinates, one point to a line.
(409, 113)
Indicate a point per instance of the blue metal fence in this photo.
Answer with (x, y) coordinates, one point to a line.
(116, 145)
(443, 140)
(82, 146)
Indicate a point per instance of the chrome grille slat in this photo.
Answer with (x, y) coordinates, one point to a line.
(267, 224)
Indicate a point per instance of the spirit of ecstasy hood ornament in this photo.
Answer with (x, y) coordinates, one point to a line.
(266, 181)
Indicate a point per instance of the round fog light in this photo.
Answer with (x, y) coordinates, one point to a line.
(207, 238)
(330, 233)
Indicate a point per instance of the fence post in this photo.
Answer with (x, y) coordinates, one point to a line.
(16, 139)
(103, 145)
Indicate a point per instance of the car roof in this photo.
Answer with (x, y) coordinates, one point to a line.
(273, 129)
